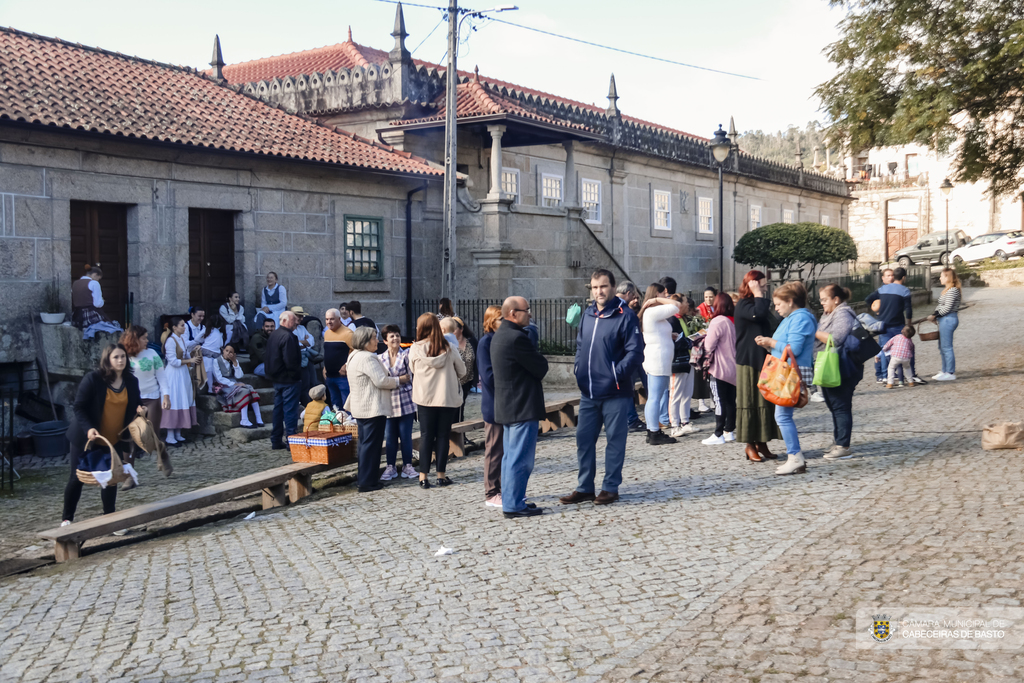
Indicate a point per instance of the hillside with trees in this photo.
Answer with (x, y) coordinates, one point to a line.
(782, 146)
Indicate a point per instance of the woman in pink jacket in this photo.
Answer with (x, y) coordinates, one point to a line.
(721, 344)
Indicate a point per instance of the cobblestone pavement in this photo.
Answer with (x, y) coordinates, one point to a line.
(709, 568)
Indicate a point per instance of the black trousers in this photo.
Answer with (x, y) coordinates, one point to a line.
(73, 490)
(371, 438)
(435, 431)
(725, 406)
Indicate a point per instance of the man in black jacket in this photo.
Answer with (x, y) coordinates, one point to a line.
(283, 364)
(518, 403)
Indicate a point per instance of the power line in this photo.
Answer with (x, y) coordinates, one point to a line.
(620, 50)
(578, 40)
(443, 19)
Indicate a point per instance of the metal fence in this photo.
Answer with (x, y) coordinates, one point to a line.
(556, 337)
(860, 286)
(7, 440)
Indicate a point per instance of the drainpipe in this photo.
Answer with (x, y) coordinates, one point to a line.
(408, 258)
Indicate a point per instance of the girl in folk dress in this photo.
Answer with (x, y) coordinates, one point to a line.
(273, 301)
(212, 346)
(182, 411)
(233, 315)
(234, 396)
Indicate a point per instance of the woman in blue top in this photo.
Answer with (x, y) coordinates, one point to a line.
(796, 331)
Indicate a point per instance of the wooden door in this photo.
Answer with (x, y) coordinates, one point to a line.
(99, 237)
(898, 236)
(211, 257)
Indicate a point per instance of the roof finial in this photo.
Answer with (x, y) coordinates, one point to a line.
(399, 53)
(218, 60)
(476, 73)
(613, 99)
(732, 129)
(350, 33)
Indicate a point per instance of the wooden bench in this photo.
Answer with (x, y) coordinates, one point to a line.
(280, 485)
(559, 414)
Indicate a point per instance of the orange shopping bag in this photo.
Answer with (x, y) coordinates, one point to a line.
(779, 382)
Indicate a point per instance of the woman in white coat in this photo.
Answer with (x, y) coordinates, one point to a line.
(658, 352)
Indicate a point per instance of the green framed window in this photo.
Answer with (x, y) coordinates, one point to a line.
(364, 246)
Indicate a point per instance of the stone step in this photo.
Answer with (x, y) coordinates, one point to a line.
(222, 421)
(242, 435)
(257, 382)
(210, 404)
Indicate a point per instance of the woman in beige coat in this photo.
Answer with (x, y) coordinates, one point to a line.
(370, 403)
(436, 393)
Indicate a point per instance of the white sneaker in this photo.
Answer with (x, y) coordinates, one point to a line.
(687, 428)
(838, 453)
(818, 397)
(947, 377)
(408, 472)
(494, 501)
(713, 440)
(66, 522)
(389, 473)
(729, 437)
(939, 376)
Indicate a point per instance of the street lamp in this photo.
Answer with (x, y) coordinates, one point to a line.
(450, 140)
(721, 146)
(946, 188)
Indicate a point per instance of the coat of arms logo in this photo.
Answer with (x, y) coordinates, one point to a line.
(880, 629)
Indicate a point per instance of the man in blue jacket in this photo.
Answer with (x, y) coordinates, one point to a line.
(895, 312)
(608, 351)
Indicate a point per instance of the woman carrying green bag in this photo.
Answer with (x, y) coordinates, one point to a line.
(835, 325)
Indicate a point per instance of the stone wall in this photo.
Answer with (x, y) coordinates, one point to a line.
(289, 217)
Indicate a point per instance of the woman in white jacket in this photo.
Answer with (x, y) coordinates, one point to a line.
(658, 351)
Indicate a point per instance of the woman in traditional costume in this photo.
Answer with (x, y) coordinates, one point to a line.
(182, 413)
(234, 396)
(273, 301)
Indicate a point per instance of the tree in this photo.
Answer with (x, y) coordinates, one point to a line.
(944, 74)
(787, 245)
(781, 147)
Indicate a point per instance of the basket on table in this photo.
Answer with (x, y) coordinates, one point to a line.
(931, 335)
(95, 458)
(323, 448)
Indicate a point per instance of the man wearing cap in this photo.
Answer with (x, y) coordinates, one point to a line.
(306, 342)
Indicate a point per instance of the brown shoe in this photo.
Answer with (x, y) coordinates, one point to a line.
(766, 454)
(576, 497)
(752, 454)
(605, 498)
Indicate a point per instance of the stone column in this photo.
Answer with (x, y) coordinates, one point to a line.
(569, 195)
(496, 133)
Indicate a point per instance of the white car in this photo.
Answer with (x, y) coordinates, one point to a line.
(998, 245)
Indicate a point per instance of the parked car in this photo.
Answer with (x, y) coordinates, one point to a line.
(931, 248)
(997, 245)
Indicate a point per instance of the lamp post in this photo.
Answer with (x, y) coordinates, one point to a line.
(721, 146)
(946, 188)
(451, 141)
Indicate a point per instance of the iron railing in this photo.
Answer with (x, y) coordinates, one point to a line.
(7, 440)
(860, 286)
(556, 337)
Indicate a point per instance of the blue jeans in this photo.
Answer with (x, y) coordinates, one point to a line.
(337, 388)
(840, 403)
(784, 418)
(611, 412)
(286, 411)
(656, 408)
(947, 325)
(399, 428)
(517, 464)
(259, 371)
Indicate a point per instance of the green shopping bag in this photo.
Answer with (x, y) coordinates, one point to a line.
(826, 366)
(574, 315)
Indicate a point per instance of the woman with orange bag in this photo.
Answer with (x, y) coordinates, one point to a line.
(797, 332)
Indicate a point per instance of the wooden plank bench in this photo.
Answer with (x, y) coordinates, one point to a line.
(291, 482)
(559, 414)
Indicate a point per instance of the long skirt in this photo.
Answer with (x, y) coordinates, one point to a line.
(755, 417)
(701, 388)
(182, 414)
(235, 398)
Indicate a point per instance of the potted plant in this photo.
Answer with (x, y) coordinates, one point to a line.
(52, 313)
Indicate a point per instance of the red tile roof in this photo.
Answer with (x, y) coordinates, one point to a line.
(350, 54)
(51, 82)
(475, 98)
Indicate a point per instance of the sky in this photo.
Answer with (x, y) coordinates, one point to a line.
(779, 42)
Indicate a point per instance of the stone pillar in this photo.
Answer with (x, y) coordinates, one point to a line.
(569, 196)
(496, 133)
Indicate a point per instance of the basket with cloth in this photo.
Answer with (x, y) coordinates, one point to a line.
(103, 466)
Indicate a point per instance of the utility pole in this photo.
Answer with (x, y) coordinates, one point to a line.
(450, 146)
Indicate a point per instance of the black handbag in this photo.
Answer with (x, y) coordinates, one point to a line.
(866, 347)
(681, 355)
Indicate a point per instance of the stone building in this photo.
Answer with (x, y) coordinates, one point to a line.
(553, 186)
(898, 200)
(184, 190)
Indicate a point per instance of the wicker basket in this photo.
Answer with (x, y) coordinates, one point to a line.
(116, 468)
(930, 335)
(319, 448)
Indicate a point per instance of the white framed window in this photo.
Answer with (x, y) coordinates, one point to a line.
(787, 215)
(705, 216)
(590, 196)
(824, 219)
(662, 210)
(510, 182)
(551, 190)
(755, 217)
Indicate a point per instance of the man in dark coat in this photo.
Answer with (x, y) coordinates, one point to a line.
(283, 363)
(518, 403)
